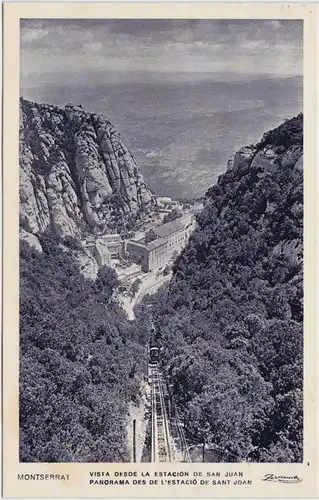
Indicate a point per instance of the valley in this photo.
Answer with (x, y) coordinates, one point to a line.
(185, 316)
(182, 140)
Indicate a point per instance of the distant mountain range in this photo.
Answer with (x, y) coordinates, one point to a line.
(181, 130)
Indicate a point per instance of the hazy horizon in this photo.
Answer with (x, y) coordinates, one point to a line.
(106, 50)
(184, 94)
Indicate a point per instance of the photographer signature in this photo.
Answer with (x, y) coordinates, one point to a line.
(281, 479)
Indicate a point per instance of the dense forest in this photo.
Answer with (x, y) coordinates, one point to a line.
(78, 361)
(230, 327)
(231, 321)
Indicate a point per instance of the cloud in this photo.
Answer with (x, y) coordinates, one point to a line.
(32, 35)
(52, 50)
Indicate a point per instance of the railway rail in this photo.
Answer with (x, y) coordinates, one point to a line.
(168, 443)
(160, 442)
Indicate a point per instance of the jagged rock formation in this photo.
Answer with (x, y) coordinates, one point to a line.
(75, 173)
(31, 239)
(266, 156)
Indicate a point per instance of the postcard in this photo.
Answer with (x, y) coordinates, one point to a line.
(160, 248)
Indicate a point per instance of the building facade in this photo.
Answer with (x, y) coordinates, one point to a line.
(100, 253)
(113, 242)
(160, 243)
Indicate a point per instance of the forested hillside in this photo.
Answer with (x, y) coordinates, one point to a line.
(78, 361)
(231, 321)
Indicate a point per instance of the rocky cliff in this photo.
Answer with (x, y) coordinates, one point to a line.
(231, 321)
(277, 156)
(76, 176)
(281, 147)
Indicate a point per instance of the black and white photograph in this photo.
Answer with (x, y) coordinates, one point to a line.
(161, 241)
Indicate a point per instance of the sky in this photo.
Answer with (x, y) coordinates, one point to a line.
(101, 51)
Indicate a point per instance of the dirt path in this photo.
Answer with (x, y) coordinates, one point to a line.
(150, 284)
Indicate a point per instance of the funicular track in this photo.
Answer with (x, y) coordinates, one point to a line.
(161, 447)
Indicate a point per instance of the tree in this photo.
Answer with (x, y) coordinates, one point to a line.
(135, 286)
(171, 216)
(78, 369)
(106, 281)
(231, 317)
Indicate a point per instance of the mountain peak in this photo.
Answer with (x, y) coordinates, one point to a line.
(75, 173)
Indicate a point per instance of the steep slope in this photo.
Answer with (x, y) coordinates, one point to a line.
(78, 369)
(76, 175)
(231, 322)
(78, 351)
